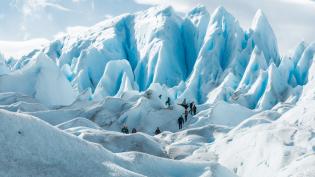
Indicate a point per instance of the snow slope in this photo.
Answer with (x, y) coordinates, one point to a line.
(263, 142)
(56, 153)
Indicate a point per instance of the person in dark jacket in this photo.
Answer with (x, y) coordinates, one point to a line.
(157, 131)
(191, 105)
(168, 102)
(134, 130)
(195, 109)
(186, 115)
(125, 130)
(184, 104)
(180, 122)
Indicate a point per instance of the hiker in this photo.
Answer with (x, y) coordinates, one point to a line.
(134, 130)
(157, 131)
(168, 102)
(194, 109)
(186, 115)
(191, 108)
(125, 130)
(180, 122)
(184, 104)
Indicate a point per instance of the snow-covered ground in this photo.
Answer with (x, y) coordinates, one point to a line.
(62, 107)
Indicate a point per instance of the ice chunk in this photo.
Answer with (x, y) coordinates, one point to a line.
(118, 74)
(41, 79)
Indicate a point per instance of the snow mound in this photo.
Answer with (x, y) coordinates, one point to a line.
(52, 153)
(303, 166)
(78, 122)
(229, 114)
(118, 142)
(181, 145)
(8, 98)
(224, 114)
(22, 106)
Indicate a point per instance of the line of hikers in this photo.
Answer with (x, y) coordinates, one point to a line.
(125, 130)
(180, 121)
(192, 111)
(192, 106)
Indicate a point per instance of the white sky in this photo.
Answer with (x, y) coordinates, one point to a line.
(292, 20)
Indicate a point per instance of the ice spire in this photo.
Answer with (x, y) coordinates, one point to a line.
(264, 38)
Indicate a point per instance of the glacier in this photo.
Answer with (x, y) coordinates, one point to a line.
(210, 54)
(62, 106)
(196, 38)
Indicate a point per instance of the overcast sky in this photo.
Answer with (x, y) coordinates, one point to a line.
(292, 20)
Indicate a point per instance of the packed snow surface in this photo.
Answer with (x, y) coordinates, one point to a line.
(63, 106)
